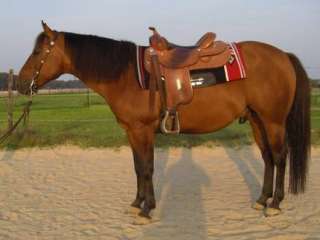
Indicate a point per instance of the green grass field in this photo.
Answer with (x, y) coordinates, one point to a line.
(67, 119)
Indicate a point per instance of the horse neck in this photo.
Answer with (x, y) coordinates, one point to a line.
(110, 85)
(108, 89)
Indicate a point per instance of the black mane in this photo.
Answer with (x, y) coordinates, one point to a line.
(99, 58)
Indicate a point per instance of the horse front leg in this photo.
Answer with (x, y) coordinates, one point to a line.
(142, 144)
(140, 196)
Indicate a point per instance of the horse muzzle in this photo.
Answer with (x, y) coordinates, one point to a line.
(27, 87)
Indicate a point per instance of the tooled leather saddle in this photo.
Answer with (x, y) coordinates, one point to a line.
(170, 65)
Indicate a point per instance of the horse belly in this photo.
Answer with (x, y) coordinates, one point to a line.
(212, 108)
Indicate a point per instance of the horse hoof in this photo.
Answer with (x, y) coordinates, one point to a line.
(133, 210)
(141, 221)
(269, 212)
(144, 214)
(257, 206)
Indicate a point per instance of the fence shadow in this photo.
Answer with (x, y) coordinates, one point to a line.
(7, 155)
(250, 166)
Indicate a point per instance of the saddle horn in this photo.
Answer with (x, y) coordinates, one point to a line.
(157, 41)
(152, 29)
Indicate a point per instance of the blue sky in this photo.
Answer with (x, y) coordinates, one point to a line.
(292, 25)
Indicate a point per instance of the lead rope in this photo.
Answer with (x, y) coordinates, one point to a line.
(24, 116)
(25, 112)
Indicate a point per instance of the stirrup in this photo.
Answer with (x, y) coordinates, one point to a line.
(172, 120)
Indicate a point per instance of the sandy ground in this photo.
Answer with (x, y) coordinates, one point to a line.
(202, 193)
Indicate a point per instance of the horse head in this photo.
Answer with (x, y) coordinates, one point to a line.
(45, 63)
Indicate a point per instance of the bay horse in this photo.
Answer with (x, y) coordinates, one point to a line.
(275, 98)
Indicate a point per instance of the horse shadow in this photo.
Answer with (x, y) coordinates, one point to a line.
(179, 193)
(250, 166)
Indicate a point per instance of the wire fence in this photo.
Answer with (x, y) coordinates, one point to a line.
(64, 104)
(54, 106)
(58, 99)
(78, 98)
(315, 97)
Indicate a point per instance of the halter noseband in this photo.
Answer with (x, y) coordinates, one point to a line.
(33, 85)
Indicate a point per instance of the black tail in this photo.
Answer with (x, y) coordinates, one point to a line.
(298, 129)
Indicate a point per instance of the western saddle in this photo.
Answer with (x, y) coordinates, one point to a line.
(170, 66)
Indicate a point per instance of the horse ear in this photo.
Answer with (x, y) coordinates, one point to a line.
(47, 30)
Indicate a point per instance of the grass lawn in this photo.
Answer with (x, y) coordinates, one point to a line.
(67, 119)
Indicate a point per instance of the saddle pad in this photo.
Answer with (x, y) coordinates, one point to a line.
(232, 71)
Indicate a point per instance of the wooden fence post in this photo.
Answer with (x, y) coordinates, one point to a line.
(10, 99)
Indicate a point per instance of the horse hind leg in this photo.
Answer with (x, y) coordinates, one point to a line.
(260, 137)
(277, 139)
(271, 139)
